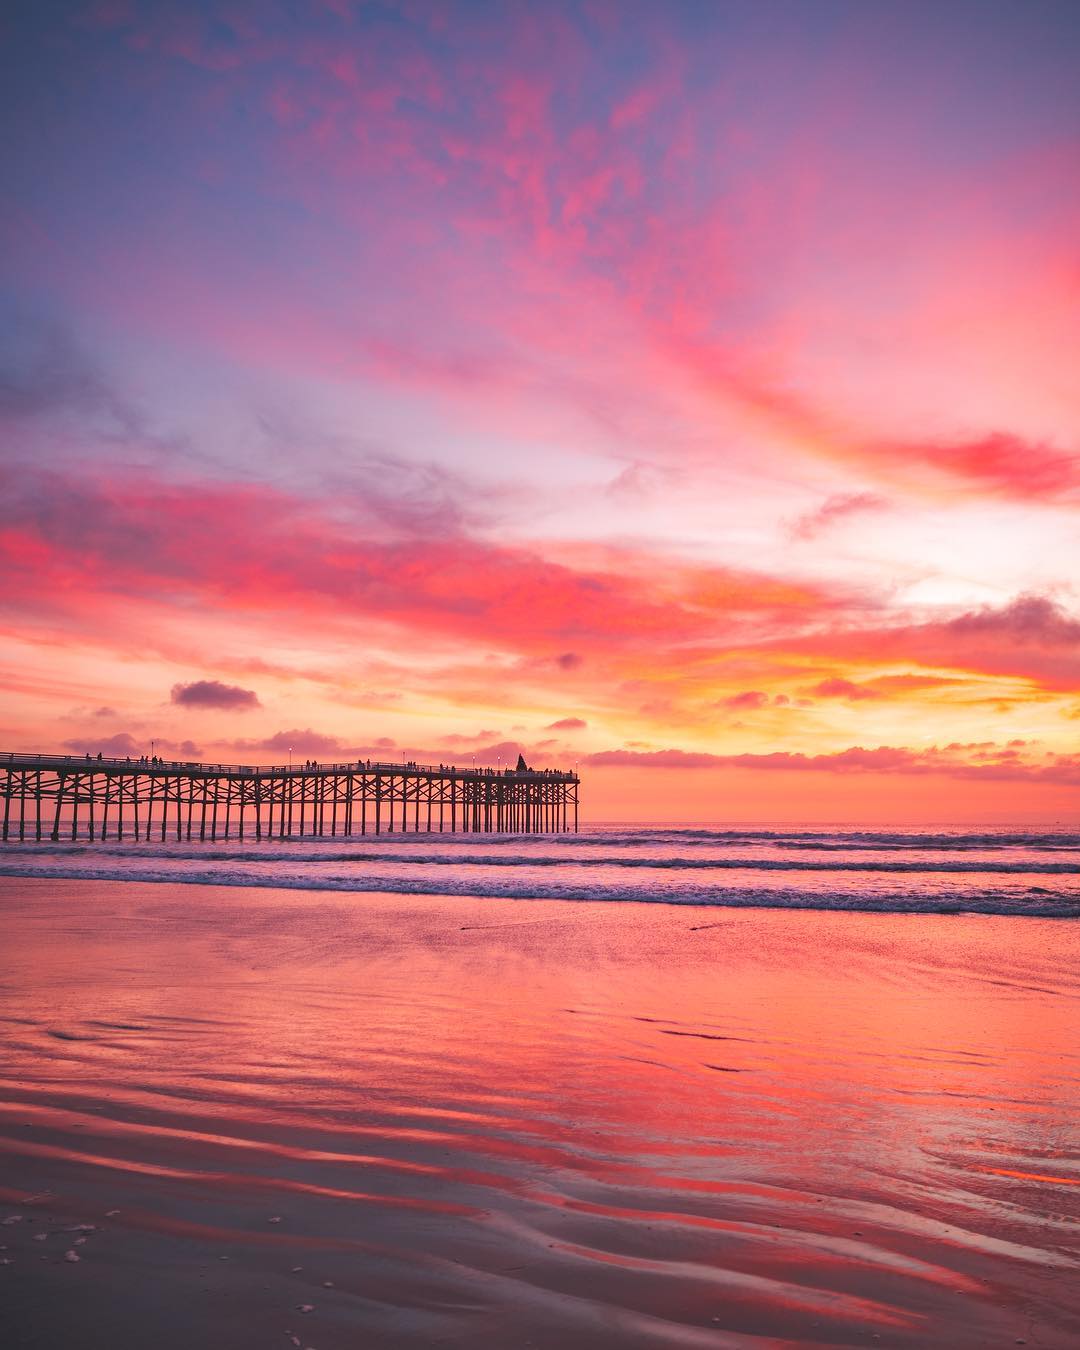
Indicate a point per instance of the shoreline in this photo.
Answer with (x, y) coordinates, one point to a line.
(944, 906)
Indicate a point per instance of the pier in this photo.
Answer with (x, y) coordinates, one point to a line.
(78, 797)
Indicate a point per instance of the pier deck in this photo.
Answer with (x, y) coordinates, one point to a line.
(79, 797)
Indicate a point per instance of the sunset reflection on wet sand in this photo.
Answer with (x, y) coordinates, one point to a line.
(492, 1123)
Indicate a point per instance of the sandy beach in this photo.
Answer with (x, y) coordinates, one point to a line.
(283, 1117)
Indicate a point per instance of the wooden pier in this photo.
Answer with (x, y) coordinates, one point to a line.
(67, 796)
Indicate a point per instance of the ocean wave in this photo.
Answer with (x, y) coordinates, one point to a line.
(618, 837)
(1035, 903)
(827, 839)
(456, 857)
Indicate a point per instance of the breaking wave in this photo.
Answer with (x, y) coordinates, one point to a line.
(457, 858)
(1034, 902)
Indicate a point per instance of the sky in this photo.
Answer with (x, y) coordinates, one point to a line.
(686, 393)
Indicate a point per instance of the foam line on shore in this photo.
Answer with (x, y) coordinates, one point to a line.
(1044, 905)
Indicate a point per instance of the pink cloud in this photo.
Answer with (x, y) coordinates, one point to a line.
(654, 759)
(123, 744)
(749, 698)
(1031, 638)
(465, 739)
(841, 506)
(301, 741)
(214, 694)
(1029, 619)
(1001, 464)
(839, 688)
(955, 761)
(259, 553)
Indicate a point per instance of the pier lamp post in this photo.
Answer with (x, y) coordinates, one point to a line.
(290, 759)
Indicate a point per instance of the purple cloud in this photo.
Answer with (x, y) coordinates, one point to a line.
(214, 694)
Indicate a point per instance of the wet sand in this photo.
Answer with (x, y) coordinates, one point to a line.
(495, 1123)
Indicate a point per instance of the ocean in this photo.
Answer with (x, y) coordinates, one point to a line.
(997, 870)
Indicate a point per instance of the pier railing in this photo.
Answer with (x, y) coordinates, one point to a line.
(156, 763)
(86, 796)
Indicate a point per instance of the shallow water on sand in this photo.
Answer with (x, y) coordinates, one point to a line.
(479, 1122)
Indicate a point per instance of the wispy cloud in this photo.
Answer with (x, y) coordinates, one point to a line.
(985, 761)
(841, 506)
